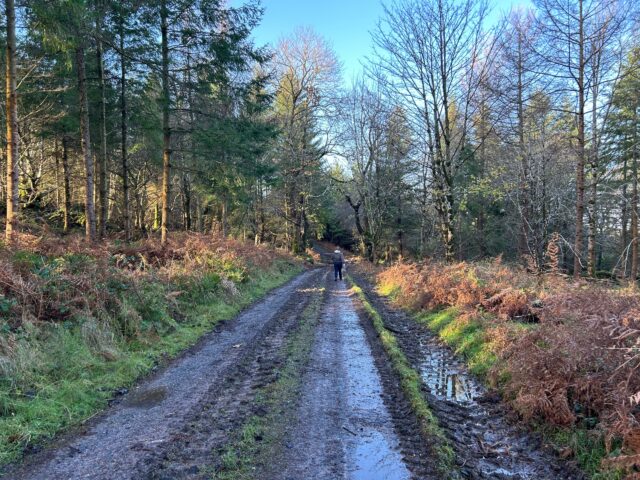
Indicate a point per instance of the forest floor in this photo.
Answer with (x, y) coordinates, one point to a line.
(301, 385)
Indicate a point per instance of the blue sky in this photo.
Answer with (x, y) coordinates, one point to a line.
(344, 23)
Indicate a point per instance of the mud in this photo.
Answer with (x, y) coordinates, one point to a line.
(342, 428)
(486, 443)
(168, 426)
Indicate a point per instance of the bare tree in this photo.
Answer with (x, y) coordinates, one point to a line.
(307, 72)
(576, 33)
(433, 54)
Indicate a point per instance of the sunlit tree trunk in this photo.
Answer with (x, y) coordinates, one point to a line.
(12, 124)
(166, 130)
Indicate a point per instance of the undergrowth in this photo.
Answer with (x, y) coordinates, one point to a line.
(411, 385)
(79, 323)
(565, 355)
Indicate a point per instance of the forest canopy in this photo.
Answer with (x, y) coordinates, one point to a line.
(464, 136)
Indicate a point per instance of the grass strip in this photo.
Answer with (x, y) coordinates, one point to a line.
(412, 387)
(257, 442)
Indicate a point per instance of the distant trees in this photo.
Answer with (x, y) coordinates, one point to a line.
(375, 141)
(307, 75)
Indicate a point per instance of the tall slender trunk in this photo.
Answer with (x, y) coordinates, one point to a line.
(57, 153)
(102, 177)
(89, 205)
(186, 206)
(593, 170)
(126, 209)
(579, 241)
(634, 214)
(12, 124)
(66, 208)
(624, 215)
(166, 130)
(523, 244)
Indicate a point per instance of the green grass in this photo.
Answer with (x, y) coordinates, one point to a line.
(411, 385)
(258, 440)
(62, 374)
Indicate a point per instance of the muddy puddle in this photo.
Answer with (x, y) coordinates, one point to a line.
(500, 450)
(373, 452)
(446, 377)
(148, 397)
(343, 429)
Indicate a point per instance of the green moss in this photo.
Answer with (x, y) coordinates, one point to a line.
(412, 387)
(467, 337)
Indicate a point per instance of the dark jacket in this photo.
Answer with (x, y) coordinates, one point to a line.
(338, 258)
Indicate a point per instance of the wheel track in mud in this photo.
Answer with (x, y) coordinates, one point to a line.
(191, 453)
(163, 429)
(415, 449)
(486, 444)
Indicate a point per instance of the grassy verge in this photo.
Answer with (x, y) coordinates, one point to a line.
(58, 375)
(411, 385)
(255, 443)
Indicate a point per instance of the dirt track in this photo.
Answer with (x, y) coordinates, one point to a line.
(347, 420)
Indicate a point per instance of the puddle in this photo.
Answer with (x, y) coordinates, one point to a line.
(373, 452)
(148, 397)
(490, 446)
(374, 460)
(446, 378)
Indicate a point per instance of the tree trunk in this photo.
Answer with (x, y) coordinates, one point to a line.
(594, 160)
(12, 124)
(523, 244)
(624, 216)
(166, 130)
(123, 133)
(577, 264)
(186, 195)
(66, 185)
(102, 177)
(90, 213)
(634, 219)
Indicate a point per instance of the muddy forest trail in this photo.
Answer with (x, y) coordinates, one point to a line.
(298, 386)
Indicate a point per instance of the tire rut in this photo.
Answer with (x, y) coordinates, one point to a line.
(196, 450)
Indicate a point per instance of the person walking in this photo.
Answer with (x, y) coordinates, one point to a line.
(338, 261)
